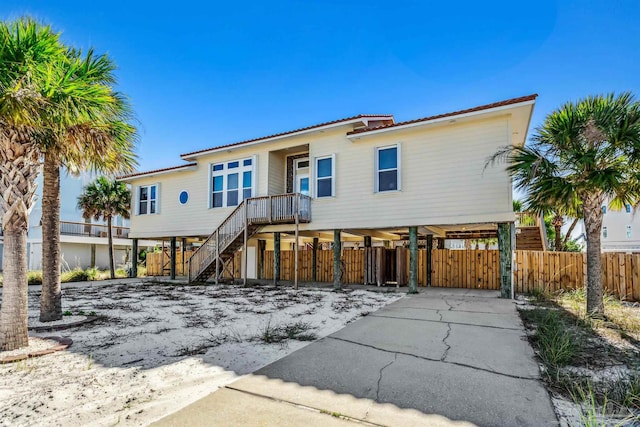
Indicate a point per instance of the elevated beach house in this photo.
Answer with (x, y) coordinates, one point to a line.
(365, 180)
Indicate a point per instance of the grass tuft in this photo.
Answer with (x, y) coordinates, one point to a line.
(299, 331)
(556, 344)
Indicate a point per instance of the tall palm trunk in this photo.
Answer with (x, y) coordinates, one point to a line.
(593, 223)
(112, 268)
(18, 171)
(13, 314)
(558, 222)
(51, 297)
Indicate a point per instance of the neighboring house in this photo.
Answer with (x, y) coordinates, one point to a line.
(370, 177)
(83, 242)
(620, 230)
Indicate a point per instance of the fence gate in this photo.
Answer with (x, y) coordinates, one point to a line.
(382, 266)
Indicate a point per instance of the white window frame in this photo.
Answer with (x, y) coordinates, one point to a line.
(316, 178)
(398, 168)
(225, 172)
(149, 199)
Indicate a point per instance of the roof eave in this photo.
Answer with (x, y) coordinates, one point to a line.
(439, 120)
(133, 177)
(195, 155)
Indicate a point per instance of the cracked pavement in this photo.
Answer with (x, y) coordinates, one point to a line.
(442, 357)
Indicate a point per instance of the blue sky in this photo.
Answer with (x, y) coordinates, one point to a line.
(201, 74)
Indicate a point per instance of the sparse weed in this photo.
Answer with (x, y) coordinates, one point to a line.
(299, 331)
(556, 344)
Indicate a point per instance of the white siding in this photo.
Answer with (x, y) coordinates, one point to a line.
(443, 174)
(277, 171)
(444, 181)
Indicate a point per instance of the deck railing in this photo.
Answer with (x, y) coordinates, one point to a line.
(265, 210)
(69, 228)
(527, 219)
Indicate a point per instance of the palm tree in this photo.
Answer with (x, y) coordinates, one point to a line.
(87, 128)
(105, 199)
(589, 152)
(26, 50)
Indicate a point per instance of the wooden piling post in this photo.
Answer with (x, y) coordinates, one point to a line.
(276, 258)
(262, 244)
(134, 258)
(245, 258)
(429, 258)
(183, 245)
(337, 274)
(172, 261)
(297, 237)
(413, 260)
(506, 259)
(314, 260)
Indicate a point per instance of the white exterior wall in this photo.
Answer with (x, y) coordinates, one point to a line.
(616, 223)
(443, 181)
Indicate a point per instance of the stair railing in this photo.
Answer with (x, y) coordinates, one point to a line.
(262, 210)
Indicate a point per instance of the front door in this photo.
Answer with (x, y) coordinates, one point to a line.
(302, 176)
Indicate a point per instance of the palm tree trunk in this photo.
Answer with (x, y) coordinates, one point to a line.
(558, 238)
(112, 268)
(13, 313)
(593, 223)
(51, 297)
(18, 172)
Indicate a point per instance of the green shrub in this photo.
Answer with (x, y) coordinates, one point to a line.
(75, 275)
(556, 343)
(34, 277)
(142, 271)
(93, 273)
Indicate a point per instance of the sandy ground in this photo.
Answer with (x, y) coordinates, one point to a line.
(158, 348)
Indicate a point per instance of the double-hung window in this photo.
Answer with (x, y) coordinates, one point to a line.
(147, 199)
(387, 168)
(325, 176)
(231, 182)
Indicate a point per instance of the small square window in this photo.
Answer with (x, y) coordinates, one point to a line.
(218, 167)
(246, 162)
(233, 165)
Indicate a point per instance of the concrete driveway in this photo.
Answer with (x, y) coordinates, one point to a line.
(442, 357)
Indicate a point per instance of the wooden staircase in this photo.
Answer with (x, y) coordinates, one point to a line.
(530, 232)
(244, 222)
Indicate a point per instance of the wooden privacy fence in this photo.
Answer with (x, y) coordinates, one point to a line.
(553, 271)
(473, 269)
(353, 262)
(477, 269)
(158, 264)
